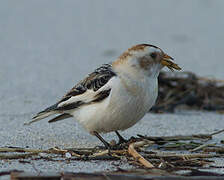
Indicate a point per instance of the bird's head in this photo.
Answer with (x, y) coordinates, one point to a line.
(145, 58)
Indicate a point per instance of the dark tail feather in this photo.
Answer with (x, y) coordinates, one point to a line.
(60, 117)
(43, 114)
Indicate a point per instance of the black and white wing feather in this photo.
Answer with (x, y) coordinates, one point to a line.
(91, 89)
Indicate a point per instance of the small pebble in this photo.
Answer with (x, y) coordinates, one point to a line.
(68, 155)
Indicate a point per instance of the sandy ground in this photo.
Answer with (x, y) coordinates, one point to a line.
(48, 46)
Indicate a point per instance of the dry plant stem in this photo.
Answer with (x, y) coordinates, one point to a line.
(31, 152)
(176, 138)
(49, 151)
(206, 145)
(102, 153)
(111, 151)
(136, 155)
(218, 132)
(183, 156)
(21, 150)
(200, 147)
(82, 151)
(75, 154)
(101, 158)
(215, 149)
(18, 156)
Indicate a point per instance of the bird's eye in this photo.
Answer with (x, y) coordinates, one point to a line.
(153, 55)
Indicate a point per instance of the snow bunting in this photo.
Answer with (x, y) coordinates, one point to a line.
(115, 96)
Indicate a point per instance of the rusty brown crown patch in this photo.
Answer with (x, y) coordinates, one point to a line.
(140, 47)
(123, 57)
(126, 54)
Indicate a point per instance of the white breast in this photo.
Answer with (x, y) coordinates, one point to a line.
(127, 103)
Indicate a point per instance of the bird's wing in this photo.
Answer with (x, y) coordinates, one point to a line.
(60, 117)
(93, 88)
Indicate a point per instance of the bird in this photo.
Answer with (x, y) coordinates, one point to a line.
(115, 96)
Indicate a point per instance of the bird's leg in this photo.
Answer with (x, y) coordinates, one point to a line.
(106, 144)
(121, 139)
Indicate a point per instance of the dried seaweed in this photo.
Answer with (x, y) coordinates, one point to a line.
(190, 90)
(153, 174)
(154, 155)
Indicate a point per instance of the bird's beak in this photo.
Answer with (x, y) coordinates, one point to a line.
(166, 61)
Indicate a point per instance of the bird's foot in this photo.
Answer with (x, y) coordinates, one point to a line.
(121, 139)
(106, 144)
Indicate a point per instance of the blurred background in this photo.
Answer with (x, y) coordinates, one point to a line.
(48, 46)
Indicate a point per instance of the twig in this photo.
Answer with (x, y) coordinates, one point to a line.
(215, 149)
(183, 156)
(177, 138)
(32, 152)
(200, 147)
(21, 150)
(136, 155)
(102, 158)
(49, 151)
(218, 132)
(106, 152)
(102, 153)
(82, 151)
(17, 156)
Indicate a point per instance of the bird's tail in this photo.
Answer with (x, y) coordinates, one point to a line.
(43, 114)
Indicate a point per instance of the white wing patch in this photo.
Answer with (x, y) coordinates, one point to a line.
(88, 96)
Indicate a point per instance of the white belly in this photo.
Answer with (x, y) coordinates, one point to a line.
(125, 106)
